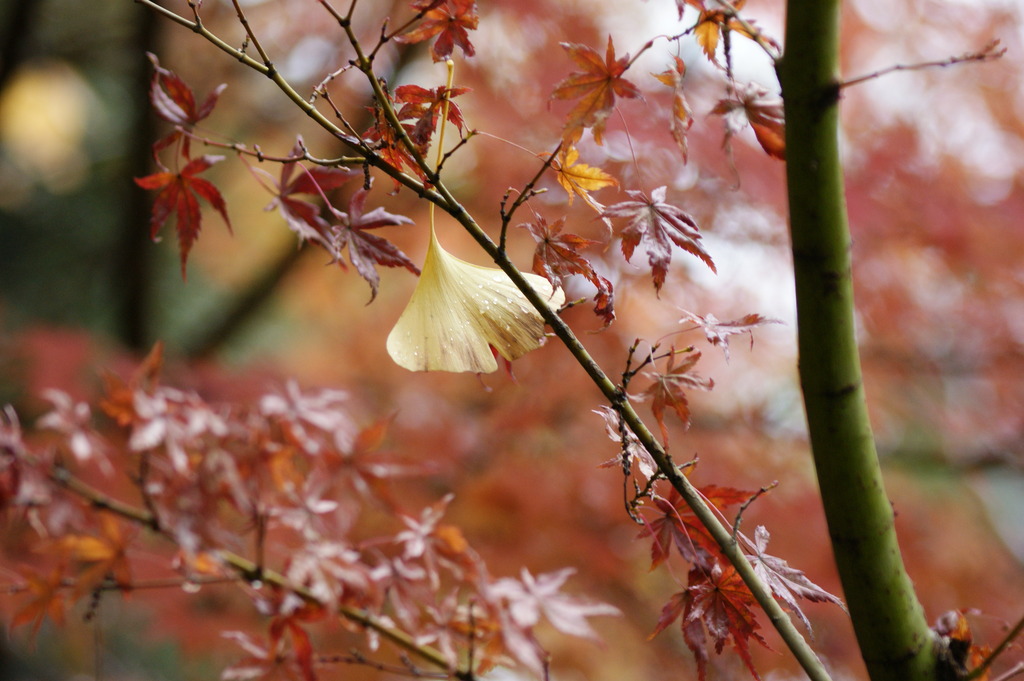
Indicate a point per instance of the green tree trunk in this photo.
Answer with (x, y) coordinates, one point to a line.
(894, 638)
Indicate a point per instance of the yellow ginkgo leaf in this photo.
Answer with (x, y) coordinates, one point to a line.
(459, 311)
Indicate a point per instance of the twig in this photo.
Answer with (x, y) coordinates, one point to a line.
(357, 658)
(110, 585)
(1011, 672)
(987, 53)
(999, 650)
(743, 507)
(65, 479)
(252, 35)
(258, 154)
(525, 194)
(254, 572)
(755, 34)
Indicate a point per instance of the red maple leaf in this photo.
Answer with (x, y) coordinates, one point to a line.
(449, 23)
(597, 85)
(718, 332)
(302, 216)
(366, 468)
(179, 194)
(366, 250)
(423, 106)
(669, 389)
(753, 106)
(716, 602)
(302, 646)
(787, 583)
(557, 256)
(677, 527)
(174, 101)
(387, 143)
(658, 225)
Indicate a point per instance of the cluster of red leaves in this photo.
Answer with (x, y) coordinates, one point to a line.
(418, 112)
(670, 387)
(270, 496)
(180, 189)
(423, 106)
(303, 216)
(716, 607)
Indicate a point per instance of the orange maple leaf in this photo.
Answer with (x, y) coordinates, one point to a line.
(597, 84)
(100, 556)
(48, 597)
(682, 115)
(710, 25)
(580, 179)
(118, 401)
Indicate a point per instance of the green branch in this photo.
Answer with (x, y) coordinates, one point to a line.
(891, 629)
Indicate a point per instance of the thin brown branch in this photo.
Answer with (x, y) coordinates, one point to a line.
(980, 670)
(1011, 672)
(525, 194)
(755, 34)
(258, 154)
(242, 19)
(254, 572)
(198, 28)
(357, 658)
(746, 504)
(142, 584)
(103, 502)
(988, 53)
